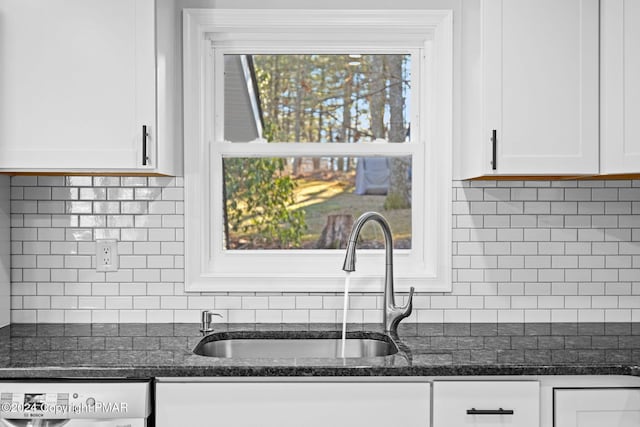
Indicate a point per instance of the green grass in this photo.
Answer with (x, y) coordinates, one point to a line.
(322, 197)
(346, 202)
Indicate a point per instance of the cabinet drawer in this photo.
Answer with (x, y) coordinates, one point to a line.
(486, 403)
(278, 403)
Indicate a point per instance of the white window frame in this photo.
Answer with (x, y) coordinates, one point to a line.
(209, 267)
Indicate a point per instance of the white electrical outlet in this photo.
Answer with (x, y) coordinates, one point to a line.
(106, 255)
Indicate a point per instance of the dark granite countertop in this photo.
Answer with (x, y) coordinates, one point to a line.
(165, 350)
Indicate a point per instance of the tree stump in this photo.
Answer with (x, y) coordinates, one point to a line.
(335, 232)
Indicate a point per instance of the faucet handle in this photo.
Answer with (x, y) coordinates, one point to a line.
(207, 317)
(409, 305)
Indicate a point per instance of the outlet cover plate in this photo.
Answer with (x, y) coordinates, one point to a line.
(106, 255)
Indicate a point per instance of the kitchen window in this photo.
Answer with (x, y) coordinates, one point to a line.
(297, 121)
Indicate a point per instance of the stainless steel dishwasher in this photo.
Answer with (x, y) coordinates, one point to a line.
(75, 403)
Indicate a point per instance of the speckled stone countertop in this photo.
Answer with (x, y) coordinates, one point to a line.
(165, 350)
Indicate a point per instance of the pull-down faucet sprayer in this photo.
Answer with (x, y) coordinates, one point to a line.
(392, 315)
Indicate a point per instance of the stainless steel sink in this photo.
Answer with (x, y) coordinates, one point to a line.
(297, 346)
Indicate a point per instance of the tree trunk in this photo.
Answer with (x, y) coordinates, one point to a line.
(399, 194)
(378, 96)
(346, 115)
(316, 159)
(336, 231)
(298, 114)
(275, 100)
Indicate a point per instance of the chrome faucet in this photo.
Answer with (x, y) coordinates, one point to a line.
(392, 315)
(207, 317)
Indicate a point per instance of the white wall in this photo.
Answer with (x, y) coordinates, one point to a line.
(523, 251)
(532, 251)
(5, 241)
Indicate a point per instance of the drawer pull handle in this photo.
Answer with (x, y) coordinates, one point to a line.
(500, 411)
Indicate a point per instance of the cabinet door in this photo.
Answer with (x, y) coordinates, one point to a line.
(293, 404)
(77, 83)
(486, 403)
(540, 66)
(597, 407)
(5, 251)
(620, 90)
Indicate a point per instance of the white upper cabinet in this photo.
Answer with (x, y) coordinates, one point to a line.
(536, 63)
(620, 87)
(78, 84)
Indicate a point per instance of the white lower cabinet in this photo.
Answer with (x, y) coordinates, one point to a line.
(596, 407)
(290, 403)
(486, 403)
(531, 401)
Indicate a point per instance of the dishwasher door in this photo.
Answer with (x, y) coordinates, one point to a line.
(74, 403)
(129, 422)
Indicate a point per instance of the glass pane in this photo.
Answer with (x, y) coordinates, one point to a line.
(267, 206)
(317, 98)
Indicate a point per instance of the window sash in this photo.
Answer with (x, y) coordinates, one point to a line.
(418, 67)
(225, 149)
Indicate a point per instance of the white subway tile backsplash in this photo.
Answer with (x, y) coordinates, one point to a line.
(133, 289)
(533, 251)
(591, 315)
(118, 303)
(91, 302)
(134, 207)
(134, 181)
(577, 248)
(511, 316)
(275, 316)
(242, 316)
(71, 234)
(36, 275)
(31, 302)
(147, 193)
(161, 234)
(564, 288)
(444, 302)
(77, 261)
(537, 316)
(484, 288)
(77, 288)
(160, 316)
(146, 302)
(430, 316)
(173, 193)
(523, 193)
(156, 288)
(234, 302)
(50, 316)
(617, 315)
(497, 302)
(523, 302)
(173, 302)
(564, 315)
(105, 288)
(77, 316)
(64, 302)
